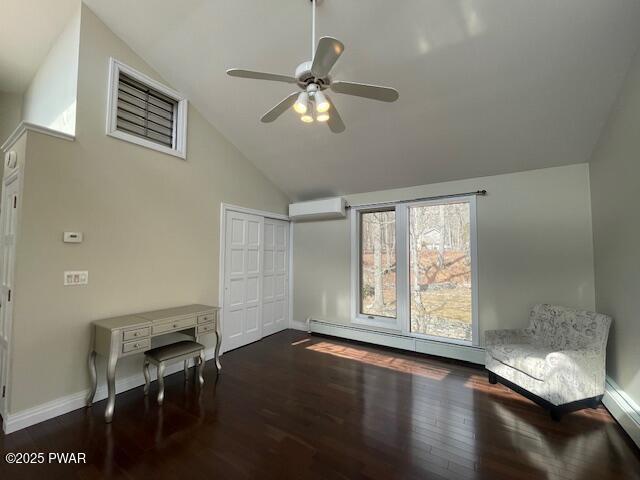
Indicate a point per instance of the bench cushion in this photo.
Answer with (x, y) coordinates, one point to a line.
(174, 350)
(527, 358)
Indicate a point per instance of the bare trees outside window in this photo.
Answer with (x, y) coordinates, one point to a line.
(378, 263)
(414, 268)
(440, 270)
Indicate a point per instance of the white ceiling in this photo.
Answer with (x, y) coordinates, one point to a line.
(29, 27)
(486, 86)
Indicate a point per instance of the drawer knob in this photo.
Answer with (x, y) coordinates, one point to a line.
(136, 345)
(135, 334)
(175, 325)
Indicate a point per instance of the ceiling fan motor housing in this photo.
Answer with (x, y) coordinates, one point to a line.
(305, 77)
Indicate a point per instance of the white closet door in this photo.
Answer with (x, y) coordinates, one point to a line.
(275, 296)
(243, 279)
(9, 222)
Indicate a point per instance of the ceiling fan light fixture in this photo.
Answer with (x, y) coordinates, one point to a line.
(313, 77)
(302, 103)
(322, 104)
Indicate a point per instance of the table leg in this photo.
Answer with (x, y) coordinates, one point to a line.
(201, 368)
(111, 387)
(147, 378)
(217, 350)
(94, 378)
(160, 383)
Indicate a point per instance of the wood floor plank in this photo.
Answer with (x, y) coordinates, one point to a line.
(313, 407)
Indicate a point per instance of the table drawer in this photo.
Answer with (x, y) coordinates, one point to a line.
(137, 333)
(174, 326)
(136, 346)
(206, 328)
(209, 317)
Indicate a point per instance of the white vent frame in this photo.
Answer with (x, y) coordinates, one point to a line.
(180, 124)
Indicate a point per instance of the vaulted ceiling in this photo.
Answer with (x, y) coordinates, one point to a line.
(29, 27)
(486, 86)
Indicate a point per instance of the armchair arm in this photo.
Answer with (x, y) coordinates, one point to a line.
(500, 337)
(575, 374)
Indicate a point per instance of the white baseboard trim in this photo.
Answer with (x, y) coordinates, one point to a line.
(60, 406)
(623, 409)
(431, 347)
(297, 325)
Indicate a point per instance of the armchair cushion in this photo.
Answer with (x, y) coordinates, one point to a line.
(526, 358)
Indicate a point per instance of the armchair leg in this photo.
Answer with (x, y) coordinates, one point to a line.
(493, 378)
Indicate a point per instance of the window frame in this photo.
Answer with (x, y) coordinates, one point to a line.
(179, 149)
(360, 317)
(402, 323)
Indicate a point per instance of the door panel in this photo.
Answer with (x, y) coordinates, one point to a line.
(275, 297)
(242, 280)
(8, 224)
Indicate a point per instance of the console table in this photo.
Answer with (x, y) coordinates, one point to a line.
(119, 337)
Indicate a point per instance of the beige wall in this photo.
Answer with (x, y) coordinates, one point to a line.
(50, 98)
(10, 113)
(615, 186)
(534, 245)
(151, 225)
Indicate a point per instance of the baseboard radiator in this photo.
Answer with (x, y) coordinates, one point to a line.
(431, 347)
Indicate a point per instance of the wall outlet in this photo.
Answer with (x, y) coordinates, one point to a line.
(76, 278)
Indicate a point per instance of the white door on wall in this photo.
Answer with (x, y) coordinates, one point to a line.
(8, 226)
(242, 280)
(275, 291)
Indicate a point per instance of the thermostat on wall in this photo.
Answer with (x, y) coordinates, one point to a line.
(72, 237)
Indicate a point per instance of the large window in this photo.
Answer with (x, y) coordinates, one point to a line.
(378, 263)
(414, 268)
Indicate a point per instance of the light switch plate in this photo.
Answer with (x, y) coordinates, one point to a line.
(76, 277)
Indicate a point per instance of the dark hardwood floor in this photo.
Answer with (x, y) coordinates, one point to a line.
(295, 406)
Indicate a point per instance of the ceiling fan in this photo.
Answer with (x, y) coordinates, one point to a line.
(313, 79)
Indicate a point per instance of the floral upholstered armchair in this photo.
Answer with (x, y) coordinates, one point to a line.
(558, 361)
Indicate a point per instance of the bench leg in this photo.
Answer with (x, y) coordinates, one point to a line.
(147, 379)
(160, 383)
(201, 368)
(186, 370)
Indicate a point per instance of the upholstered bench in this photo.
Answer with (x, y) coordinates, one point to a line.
(558, 361)
(173, 352)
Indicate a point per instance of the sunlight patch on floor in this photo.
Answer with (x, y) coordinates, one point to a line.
(388, 361)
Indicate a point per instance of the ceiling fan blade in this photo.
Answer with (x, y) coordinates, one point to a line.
(327, 53)
(238, 72)
(384, 94)
(336, 125)
(280, 108)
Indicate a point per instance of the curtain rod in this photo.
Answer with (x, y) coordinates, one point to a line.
(437, 197)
